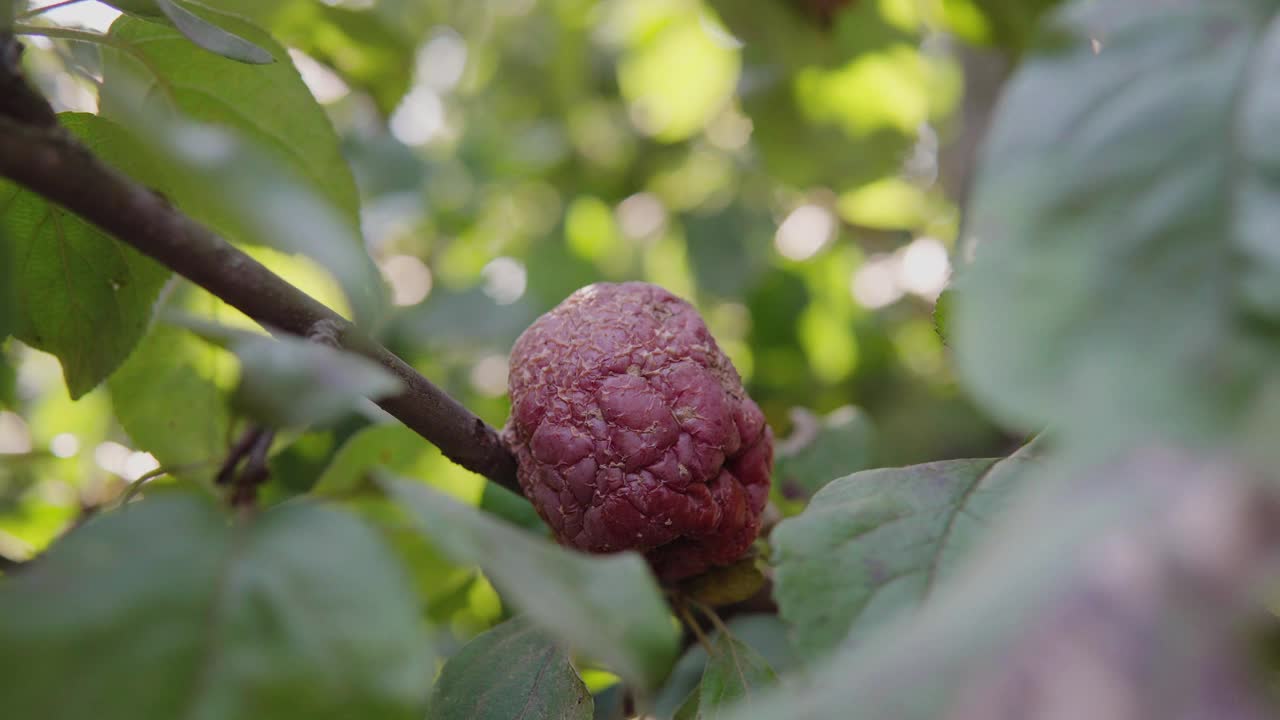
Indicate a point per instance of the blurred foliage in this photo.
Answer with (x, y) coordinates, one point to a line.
(777, 163)
(775, 169)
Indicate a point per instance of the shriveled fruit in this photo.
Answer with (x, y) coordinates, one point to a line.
(633, 431)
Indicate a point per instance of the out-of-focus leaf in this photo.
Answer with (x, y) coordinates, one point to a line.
(211, 37)
(728, 250)
(171, 398)
(299, 612)
(875, 544)
(8, 381)
(263, 168)
(392, 447)
(677, 74)
(819, 447)
(514, 670)
(268, 106)
(77, 292)
(468, 317)
(780, 127)
(291, 382)
(734, 673)
(942, 315)
(765, 634)
(1137, 282)
(195, 28)
(149, 9)
(779, 31)
(1157, 552)
(512, 507)
(8, 291)
(1008, 23)
(607, 607)
(366, 50)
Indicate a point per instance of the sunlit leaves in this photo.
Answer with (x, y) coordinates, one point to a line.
(512, 671)
(78, 293)
(875, 543)
(297, 613)
(1139, 278)
(396, 448)
(265, 166)
(269, 106)
(607, 607)
(678, 69)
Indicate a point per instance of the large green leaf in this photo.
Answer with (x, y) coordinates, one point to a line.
(263, 166)
(1116, 591)
(606, 606)
(79, 293)
(170, 609)
(875, 543)
(267, 105)
(1137, 280)
(512, 671)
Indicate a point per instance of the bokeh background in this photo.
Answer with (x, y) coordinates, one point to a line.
(793, 167)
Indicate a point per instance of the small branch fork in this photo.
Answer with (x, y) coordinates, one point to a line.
(38, 155)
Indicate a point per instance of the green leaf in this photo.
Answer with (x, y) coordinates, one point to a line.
(511, 671)
(8, 291)
(608, 607)
(1101, 573)
(734, 672)
(211, 37)
(875, 544)
(195, 28)
(688, 709)
(367, 50)
(269, 106)
(291, 382)
(942, 315)
(1006, 23)
(262, 167)
(1136, 280)
(765, 634)
(819, 447)
(8, 381)
(299, 612)
(392, 446)
(81, 294)
(169, 398)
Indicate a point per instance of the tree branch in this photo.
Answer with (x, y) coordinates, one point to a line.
(38, 155)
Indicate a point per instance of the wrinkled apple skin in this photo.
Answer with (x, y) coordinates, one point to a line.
(633, 432)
